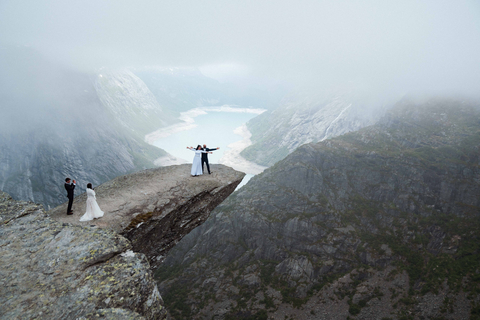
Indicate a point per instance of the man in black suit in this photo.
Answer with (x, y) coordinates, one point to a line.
(205, 157)
(69, 186)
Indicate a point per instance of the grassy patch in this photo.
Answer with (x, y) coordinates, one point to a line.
(139, 219)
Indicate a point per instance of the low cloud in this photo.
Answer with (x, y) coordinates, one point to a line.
(385, 45)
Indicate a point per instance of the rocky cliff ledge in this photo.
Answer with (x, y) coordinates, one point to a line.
(53, 270)
(54, 267)
(155, 208)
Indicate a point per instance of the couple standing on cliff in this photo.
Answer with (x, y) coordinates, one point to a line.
(201, 157)
(93, 210)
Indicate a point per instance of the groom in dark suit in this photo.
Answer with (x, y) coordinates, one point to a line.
(205, 157)
(69, 186)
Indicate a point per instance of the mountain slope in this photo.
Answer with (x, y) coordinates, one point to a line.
(379, 223)
(130, 101)
(304, 119)
(54, 125)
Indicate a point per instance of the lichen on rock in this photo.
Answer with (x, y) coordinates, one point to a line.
(54, 270)
(56, 267)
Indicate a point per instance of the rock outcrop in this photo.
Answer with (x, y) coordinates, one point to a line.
(54, 270)
(155, 208)
(305, 119)
(379, 223)
(55, 267)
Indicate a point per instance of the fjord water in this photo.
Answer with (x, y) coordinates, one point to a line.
(213, 128)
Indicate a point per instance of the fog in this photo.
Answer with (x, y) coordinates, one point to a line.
(380, 45)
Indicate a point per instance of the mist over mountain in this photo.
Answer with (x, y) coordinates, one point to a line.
(59, 122)
(304, 117)
(54, 125)
(400, 46)
(184, 88)
(375, 223)
(370, 206)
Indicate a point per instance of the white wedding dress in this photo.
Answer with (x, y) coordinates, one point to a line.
(197, 163)
(93, 210)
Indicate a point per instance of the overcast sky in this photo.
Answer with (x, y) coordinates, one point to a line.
(410, 43)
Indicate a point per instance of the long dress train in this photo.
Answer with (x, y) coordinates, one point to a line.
(93, 210)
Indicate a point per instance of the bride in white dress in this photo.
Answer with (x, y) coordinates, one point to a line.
(197, 161)
(93, 210)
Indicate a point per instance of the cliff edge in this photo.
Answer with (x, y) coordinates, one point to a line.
(55, 267)
(155, 208)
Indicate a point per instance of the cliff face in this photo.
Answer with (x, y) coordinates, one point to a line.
(155, 208)
(377, 223)
(53, 270)
(54, 266)
(298, 121)
(129, 101)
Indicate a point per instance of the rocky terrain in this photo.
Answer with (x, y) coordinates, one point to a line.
(303, 118)
(155, 208)
(55, 267)
(381, 223)
(54, 270)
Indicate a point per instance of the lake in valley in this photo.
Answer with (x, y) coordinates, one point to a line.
(222, 127)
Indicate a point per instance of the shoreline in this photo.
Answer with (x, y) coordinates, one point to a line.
(187, 120)
(231, 156)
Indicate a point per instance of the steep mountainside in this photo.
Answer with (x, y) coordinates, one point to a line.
(377, 224)
(129, 100)
(56, 123)
(305, 119)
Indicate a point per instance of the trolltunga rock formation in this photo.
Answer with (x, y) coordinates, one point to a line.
(55, 267)
(155, 208)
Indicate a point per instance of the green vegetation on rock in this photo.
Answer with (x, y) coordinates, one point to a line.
(379, 221)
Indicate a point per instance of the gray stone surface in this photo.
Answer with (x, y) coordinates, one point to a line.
(155, 208)
(56, 267)
(54, 270)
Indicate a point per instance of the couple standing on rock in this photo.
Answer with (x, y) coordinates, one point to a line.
(201, 157)
(93, 210)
